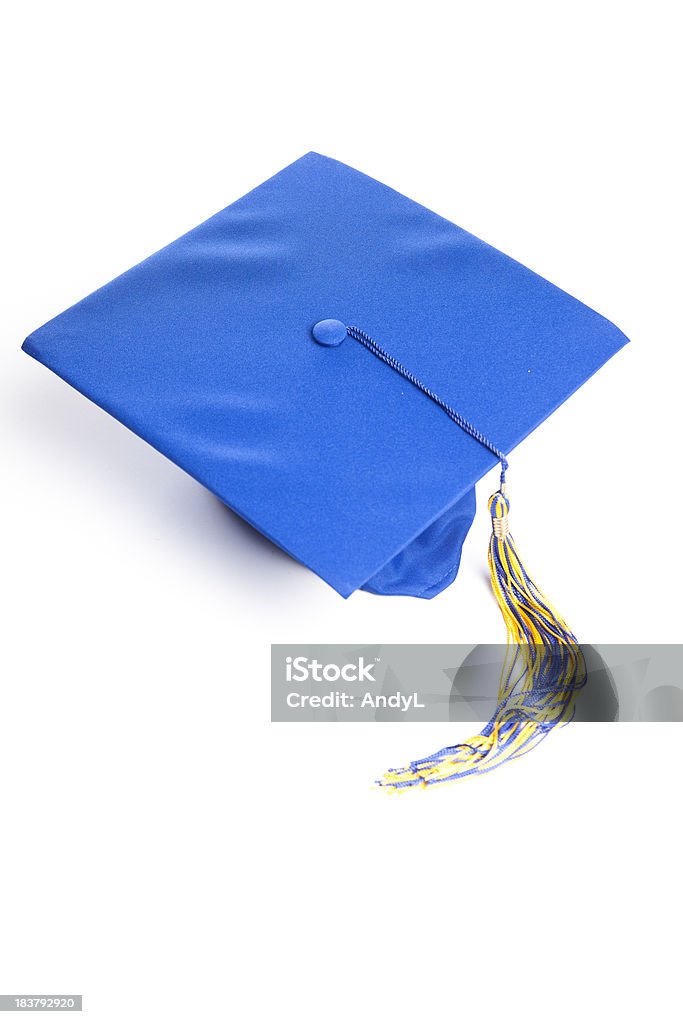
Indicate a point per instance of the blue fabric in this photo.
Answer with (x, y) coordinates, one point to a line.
(430, 564)
(206, 350)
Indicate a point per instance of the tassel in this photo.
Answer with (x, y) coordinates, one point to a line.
(544, 667)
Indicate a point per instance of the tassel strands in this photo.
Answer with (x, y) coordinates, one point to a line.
(543, 670)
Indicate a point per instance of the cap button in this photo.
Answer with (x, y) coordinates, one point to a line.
(329, 332)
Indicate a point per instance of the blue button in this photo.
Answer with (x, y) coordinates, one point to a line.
(329, 332)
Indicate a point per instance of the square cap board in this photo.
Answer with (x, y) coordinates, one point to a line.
(207, 351)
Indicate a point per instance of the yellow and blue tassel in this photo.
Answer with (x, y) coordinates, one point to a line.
(544, 668)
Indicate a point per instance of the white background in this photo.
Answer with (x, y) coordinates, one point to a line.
(164, 849)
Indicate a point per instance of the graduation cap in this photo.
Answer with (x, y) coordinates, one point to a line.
(340, 366)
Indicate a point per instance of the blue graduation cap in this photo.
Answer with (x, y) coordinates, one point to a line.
(340, 366)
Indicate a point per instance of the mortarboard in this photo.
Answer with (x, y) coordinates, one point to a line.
(340, 366)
